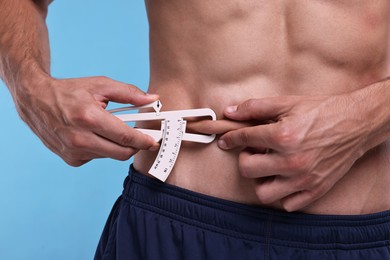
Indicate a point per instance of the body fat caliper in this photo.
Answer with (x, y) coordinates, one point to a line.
(171, 134)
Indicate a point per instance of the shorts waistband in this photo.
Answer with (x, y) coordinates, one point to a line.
(257, 223)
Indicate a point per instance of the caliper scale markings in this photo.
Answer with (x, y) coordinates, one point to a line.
(170, 147)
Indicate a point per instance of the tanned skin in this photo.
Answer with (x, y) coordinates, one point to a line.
(299, 87)
(69, 115)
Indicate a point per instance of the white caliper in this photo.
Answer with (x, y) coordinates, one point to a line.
(171, 134)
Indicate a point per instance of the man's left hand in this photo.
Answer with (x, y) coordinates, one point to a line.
(306, 146)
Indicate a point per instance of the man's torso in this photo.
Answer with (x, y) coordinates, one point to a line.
(218, 53)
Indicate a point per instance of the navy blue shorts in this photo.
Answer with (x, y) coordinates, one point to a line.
(155, 220)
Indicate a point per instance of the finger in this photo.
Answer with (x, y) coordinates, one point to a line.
(114, 129)
(215, 126)
(260, 165)
(107, 149)
(78, 159)
(86, 146)
(55, 144)
(122, 93)
(103, 123)
(274, 189)
(79, 150)
(95, 146)
(258, 109)
(256, 136)
(72, 159)
(303, 198)
(299, 200)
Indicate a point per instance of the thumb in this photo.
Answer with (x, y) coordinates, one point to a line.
(257, 109)
(123, 93)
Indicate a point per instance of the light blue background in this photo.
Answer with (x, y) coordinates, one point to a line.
(50, 210)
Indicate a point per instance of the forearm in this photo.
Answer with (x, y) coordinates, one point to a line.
(24, 44)
(372, 104)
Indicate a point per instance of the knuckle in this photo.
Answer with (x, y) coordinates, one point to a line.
(304, 182)
(85, 117)
(244, 166)
(101, 79)
(249, 105)
(243, 136)
(313, 180)
(298, 163)
(133, 90)
(73, 156)
(127, 139)
(320, 189)
(76, 141)
(262, 196)
(308, 181)
(286, 137)
(75, 163)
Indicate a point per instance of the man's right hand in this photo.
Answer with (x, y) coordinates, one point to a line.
(69, 116)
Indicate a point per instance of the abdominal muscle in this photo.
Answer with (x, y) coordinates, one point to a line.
(220, 60)
(207, 169)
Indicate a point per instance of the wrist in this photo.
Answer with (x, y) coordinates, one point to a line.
(27, 86)
(28, 81)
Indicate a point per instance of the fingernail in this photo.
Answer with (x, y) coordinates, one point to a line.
(222, 144)
(231, 109)
(153, 96)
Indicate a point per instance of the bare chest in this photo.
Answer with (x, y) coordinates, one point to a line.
(237, 38)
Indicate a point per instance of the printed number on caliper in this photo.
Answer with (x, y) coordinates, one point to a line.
(171, 134)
